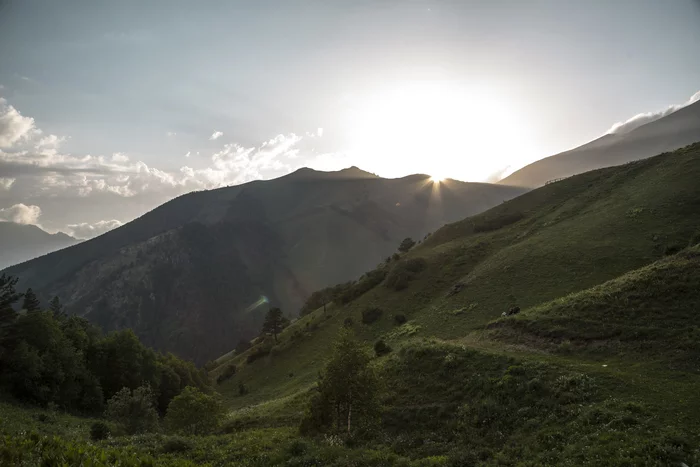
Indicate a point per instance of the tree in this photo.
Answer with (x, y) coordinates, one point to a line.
(56, 308)
(274, 322)
(8, 297)
(347, 389)
(406, 244)
(194, 413)
(133, 411)
(31, 303)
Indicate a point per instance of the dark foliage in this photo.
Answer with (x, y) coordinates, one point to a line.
(48, 358)
(274, 323)
(399, 319)
(99, 431)
(489, 225)
(406, 244)
(227, 374)
(257, 353)
(176, 445)
(370, 315)
(381, 348)
(348, 322)
(369, 281)
(404, 272)
(31, 302)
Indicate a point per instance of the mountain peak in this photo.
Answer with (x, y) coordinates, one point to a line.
(347, 173)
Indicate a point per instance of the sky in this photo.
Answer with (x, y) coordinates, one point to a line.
(108, 109)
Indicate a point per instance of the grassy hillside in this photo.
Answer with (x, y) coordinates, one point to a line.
(592, 260)
(546, 244)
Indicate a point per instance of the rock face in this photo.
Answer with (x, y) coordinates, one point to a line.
(197, 274)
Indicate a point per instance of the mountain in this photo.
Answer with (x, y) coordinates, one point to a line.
(196, 274)
(602, 362)
(22, 242)
(671, 132)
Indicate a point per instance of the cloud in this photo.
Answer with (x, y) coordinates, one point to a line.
(86, 230)
(189, 153)
(13, 126)
(216, 135)
(21, 214)
(648, 117)
(171, 133)
(120, 157)
(6, 183)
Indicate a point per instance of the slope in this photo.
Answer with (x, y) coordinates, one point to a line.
(650, 312)
(554, 241)
(666, 134)
(23, 242)
(187, 276)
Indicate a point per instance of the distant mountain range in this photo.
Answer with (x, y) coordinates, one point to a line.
(19, 242)
(671, 132)
(197, 273)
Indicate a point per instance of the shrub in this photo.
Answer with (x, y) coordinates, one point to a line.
(242, 389)
(348, 322)
(488, 225)
(399, 319)
(133, 411)
(99, 431)
(176, 444)
(260, 352)
(228, 372)
(194, 413)
(672, 249)
(370, 315)
(381, 348)
(406, 244)
(368, 281)
(403, 272)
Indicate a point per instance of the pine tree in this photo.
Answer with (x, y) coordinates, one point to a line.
(274, 322)
(56, 308)
(8, 297)
(406, 244)
(31, 303)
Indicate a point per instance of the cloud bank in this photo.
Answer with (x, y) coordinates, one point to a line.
(14, 127)
(648, 117)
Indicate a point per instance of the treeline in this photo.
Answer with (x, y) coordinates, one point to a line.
(49, 358)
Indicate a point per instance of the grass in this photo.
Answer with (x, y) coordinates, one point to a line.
(600, 368)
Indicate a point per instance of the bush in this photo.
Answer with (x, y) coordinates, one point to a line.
(242, 389)
(381, 348)
(672, 249)
(194, 413)
(368, 281)
(370, 315)
(177, 444)
(348, 322)
(403, 272)
(99, 431)
(228, 372)
(133, 411)
(406, 244)
(399, 319)
(260, 352)
(489, 225)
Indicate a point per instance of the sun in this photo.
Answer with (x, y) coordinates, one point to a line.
(454, 131)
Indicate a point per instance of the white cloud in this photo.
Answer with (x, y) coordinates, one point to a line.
(86, 230)
(216, 135)
(189, 153)
(13, 126)
(648, 117)
(171, 133)
(120, 157)
(6, 183)
(21, 214)
(319, 132)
